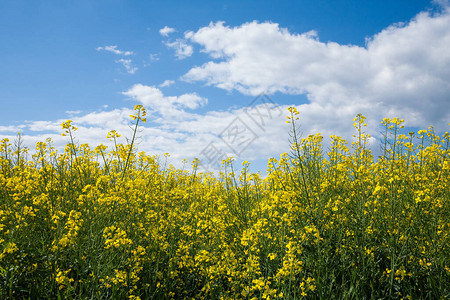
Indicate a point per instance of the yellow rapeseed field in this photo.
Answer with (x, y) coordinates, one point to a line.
(116, 224)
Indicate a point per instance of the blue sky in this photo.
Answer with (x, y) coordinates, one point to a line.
(198, 65)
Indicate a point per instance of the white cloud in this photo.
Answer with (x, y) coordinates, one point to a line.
(153, 57)
(166, 31)
(14, 129)
(402, 71)
(92, 129)
(128, 64)
(153, 98)
(43, 126)
(113, 49)
(183, 134)
(182, 49)
(73, 112)
(105, 119)
(166, 83)
(256, 132)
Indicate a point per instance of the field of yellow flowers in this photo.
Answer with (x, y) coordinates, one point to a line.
(117, 224)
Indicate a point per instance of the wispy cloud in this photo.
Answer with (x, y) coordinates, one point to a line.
(166, 31)
(73, 112)
(128, 64)
(153, 57)
(113, 49)
(182, 49)
(167, 83)
(14, 129)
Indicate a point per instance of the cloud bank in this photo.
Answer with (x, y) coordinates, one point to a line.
(402, 71)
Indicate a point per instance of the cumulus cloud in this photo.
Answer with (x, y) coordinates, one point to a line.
(166, 31)
(402, 71)
(153, 98)
(240, 132)
(182, 49)
(113, 49)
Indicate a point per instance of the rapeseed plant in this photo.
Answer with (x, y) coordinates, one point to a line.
(117, 223)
